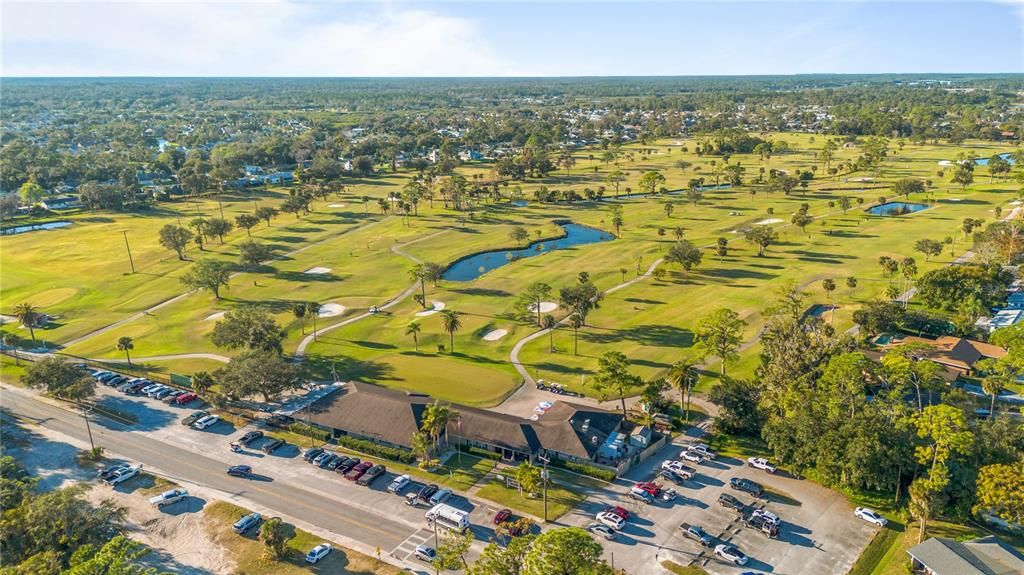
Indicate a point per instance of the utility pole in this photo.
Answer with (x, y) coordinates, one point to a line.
(437, 568)
(544, 482)
(221, 204)
(129, 248)
(85, 414)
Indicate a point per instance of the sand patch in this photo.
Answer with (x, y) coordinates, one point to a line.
(438, 306)
(317, 270)
(7, 319)
(336, 205)
(214, 316)
(945, 163)
(862, 179)
(495, 335)
(1016, 203)
(331, 310)
(767, 222)
(954, 199)
(545, 307)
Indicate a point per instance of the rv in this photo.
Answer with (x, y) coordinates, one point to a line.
(448, 517)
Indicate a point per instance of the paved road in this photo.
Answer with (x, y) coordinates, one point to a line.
(180, 464)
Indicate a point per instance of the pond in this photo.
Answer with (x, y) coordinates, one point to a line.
(984, 161)
(476, 265)
(34, 227)
(896, 208)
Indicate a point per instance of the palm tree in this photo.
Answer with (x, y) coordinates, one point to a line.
(28, 315)
(549, 324)
(413, 329)
(435, 421)
(576, 321)
(683, 375)
(124, 343)
(313, 309)
(421, 447)
(993, 385)
(451, 323)
(7, 339)
(202, 382)
(299, 310)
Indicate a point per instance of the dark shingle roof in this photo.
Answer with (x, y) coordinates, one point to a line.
(985, 556)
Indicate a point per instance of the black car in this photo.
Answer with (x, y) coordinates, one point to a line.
(341, 463)
(335, 462)
(194, 417)
(743, 484)
(240, 471)
(310, 454)
(272, 446)
(762, 524)
(426, 492)
(671, 476)
(115, 381)
(324, 460)
(250, 437)
(346, 465)
(278, 421)
(726, 500)
(371, 474)
(137, 387)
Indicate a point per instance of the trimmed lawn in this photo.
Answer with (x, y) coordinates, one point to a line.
(455, 474)
(10, 370)
(566, 490)
(677, 569)
(738, 446)
(248, 552)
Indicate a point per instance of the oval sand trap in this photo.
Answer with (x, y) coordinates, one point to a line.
(317, 270)
(336, 205)
(331, 310)
(545, 307)
(214, 316)
(495, 335)
(767, 222)
(438, 306)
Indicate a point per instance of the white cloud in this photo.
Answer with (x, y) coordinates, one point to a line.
(274, 38)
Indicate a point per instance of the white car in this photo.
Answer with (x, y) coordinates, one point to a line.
(400, 483)
(206, 422)
(871, 516)
(317, 553)
(669, 494)
(123, 475)
(767, 516)
(703, 450)
(611, 520)
(602, 530)
(731, 553)
(761, 463)
(168, 497)
(692, 456)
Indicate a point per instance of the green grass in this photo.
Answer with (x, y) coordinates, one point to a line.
(248, 553)
(455, 473)
(11, 371)
(880, 547)
(677, 569)
(737, 446)
(565, 491)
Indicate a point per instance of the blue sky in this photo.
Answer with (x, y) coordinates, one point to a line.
(292, 38)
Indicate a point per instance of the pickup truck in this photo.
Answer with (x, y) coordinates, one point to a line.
(123, 475)
(761, 463)
(696, 533)
(168, 497)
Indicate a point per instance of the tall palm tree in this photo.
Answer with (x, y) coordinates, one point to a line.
(435, 420)
(28, 315)
(451, 323)
(124, 343)
(549, 324)
(313, 309)
(683, 376)
(576, 321)
(299, 310)
(994, 385)
(413, 329)
(7, 340)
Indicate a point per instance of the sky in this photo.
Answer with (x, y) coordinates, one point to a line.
(506, 38)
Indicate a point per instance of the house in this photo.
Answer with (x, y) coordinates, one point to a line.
(278, 178)
(566, 431)
(984, 556)
(470, 155)
(957, 354)
(61, 203)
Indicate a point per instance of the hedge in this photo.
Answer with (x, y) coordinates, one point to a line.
(376, 449)
(479, 452)
(588, 470)
(310, 431)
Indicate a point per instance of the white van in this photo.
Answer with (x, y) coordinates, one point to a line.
(448, 517)
(206, 422)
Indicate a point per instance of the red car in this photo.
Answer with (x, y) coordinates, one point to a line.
(185, 398)
(653, 488)
(358, 470)
(617, 511)
(502, 516)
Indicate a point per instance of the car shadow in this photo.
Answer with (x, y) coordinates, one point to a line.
(258, 477)
(287, 451)
(714, 464)
(220, 428)
(190, 504)
(146, 417)
(707, 480)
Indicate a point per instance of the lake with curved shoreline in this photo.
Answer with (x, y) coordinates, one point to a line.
(33, 227)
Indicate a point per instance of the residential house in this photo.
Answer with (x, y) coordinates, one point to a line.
(959, 355)
(984, 556)
(61, 203)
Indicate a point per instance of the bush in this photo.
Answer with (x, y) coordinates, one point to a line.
(479, 452)
(584, 469)
(309, 431)
(377, 450)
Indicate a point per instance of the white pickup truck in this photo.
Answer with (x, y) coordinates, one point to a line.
(123, 475)
(168, 497)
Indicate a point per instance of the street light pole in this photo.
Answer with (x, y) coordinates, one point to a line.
(130, 260)
(85, 415)
(437, 568)
(544, 481)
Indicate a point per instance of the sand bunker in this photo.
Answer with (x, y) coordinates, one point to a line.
(214, 316)
(495, 335)
(438, 306)
(317, 270)
(954, 199)
(331, 310)
(1016, 203)
(767, 222)
(336, 205)
(945, 163)
(862, 179)
(545, 307)
(7, 319)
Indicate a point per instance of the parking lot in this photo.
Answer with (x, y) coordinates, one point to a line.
(819, 533)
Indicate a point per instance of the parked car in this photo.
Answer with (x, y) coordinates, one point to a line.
(651, 488)
(767, 516)
(168, 497)
(186, 398)
(155, 390)
(611, 520)
(692, 456)
(371, 475)
(640, 495)
(163, 393)
(871, 516)
(250, 437)
(240, 471)
(115, 381)
(424, 553)
(272, 446)
(347, 464)
(502, 516)
(679, 468)
(668, 495)
(150, 387)
(335, 464)
(317, 553)
(105, 473)
(621, 512)
(761, 463)
(122, 475)
(194, 417)
(207, 421)
(247, 522)
(426, 492)
(703, 449)
(440, 496)
(172, 396)
(322, 457)
(137, 387)
(697, 533)
(762, 524)
(312, 453)
(726, 500)
(743, 484)
(731, 553)
(357, 471)
(398, 484)
(278, 421)
(602, 530)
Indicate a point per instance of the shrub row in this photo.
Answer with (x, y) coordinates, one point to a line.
(309, 431)
(377, 450)
(584, 469)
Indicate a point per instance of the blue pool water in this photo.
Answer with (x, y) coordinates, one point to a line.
(984, 161)
(34, 227)
(896, 208)
(474, 266)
